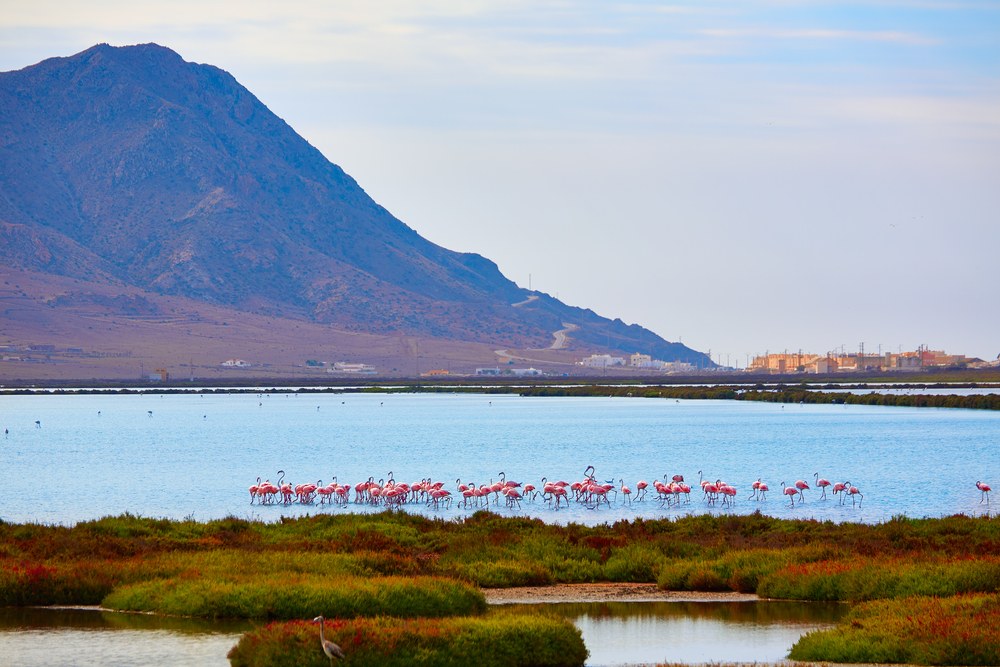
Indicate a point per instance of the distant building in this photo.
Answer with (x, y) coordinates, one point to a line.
(602, 361)
(641, 361)
(437, 372)
(526, 371)
(345, 367)
(236, 363)
(159, 375)
(489, 371)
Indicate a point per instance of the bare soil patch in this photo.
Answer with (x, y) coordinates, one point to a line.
(606, 592)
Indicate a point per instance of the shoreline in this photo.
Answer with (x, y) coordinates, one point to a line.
(606, 592)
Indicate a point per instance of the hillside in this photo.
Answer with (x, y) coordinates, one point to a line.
(130, 168)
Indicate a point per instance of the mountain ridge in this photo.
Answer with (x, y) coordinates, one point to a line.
(131, 166)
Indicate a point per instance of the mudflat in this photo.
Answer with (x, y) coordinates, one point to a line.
(606, 592)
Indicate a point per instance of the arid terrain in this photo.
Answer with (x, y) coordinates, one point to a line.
(102, 331)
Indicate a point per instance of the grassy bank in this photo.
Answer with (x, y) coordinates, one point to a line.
(793, 559)
(402, 566)
(960, 630)
(497, 640)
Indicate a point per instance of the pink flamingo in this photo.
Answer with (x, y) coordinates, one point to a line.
(756, 488)
(626, 492)
(729, 492)
(789, 491)
(985, 488)
(841, 486)
(641, 487)
(325, 493)
(712, 491)
(513, 497)
(686, 490)
(267, 490)
(853, 491)
(285, 489)
(801, 486)
(763, 489)
(560, 492)
(529, 489)
(822, 483)
(254, 490)
(343, 494)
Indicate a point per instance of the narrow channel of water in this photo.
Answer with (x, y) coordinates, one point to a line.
(627, 633)
(616, 633)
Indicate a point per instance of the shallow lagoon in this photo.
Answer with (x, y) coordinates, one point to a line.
(195, 455)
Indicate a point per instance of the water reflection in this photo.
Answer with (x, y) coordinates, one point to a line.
(616, 633)
(94, 638)
(621, 633)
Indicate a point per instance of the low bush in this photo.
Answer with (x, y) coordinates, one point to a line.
(286, 597)
(497, 640)
(873, 578)
(960, 630)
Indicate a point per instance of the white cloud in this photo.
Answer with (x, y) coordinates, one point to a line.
(816, 33)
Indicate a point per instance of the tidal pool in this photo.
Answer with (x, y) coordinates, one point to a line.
(616, 633)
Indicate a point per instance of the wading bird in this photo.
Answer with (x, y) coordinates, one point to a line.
(789, 491)
(853, 491)
(332, 650)
(822, 483)
(986, 492)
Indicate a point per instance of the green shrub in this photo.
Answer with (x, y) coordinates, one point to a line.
(960, 630)
(497, 640)
(295, 597)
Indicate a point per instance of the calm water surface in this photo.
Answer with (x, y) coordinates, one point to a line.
(618, 633)
(615, 633)
(195, 455)
(86, 638)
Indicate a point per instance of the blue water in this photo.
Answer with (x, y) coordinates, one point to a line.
(181, 456)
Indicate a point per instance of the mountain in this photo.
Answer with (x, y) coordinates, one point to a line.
(129, 166)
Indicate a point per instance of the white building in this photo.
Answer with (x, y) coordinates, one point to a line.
(489, 371)
(526, 371)
(236, 363)
(602, 361)
(345, 367)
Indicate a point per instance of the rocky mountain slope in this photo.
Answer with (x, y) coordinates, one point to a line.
(130, 166)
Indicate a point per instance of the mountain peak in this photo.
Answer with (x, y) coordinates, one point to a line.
(130, 164)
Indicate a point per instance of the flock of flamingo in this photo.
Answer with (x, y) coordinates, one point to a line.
(588, 492)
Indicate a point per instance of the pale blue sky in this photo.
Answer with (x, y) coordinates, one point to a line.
(745, 176)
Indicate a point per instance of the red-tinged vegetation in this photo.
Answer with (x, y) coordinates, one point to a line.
(958, 630)
(497, 640)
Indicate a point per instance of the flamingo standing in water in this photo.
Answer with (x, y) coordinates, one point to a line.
(839, 487)
(985, 488)
(853, 491)
(626, 492)
(763, 489)
(791, 492)
(821, 483)
(641, 486)
(801, 486)
(756, 489)
(254, 490)
(329, 648)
